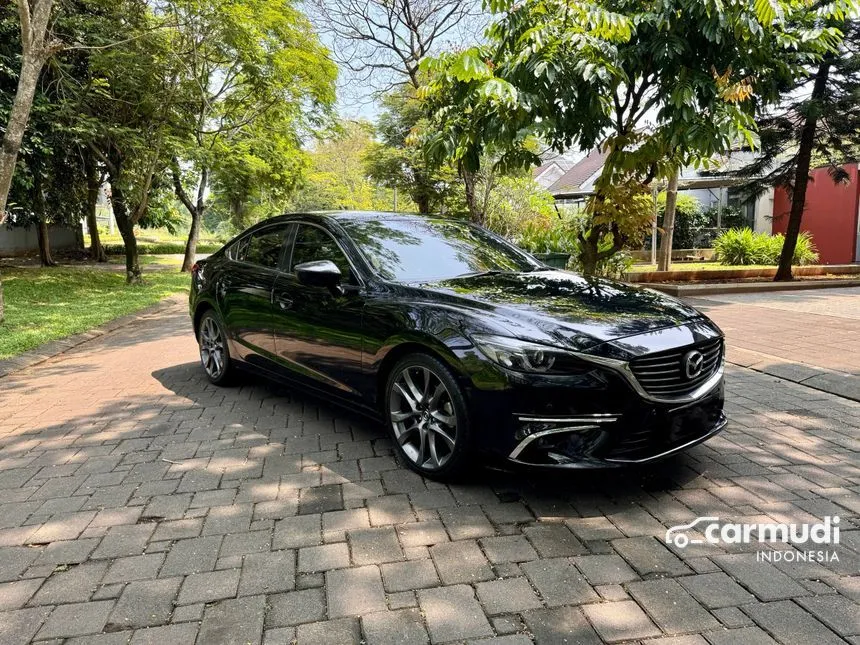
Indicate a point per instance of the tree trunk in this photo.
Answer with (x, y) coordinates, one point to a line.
(588, 250)
(40, 209)
(422, 201)
(664, 258)
(468, 177)
(17, 125)
(126, 230)
(45, 245)
(801, 174)
(94, 184)
(196, 211)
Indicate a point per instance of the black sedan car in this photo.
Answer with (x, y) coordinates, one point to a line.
(464, 344)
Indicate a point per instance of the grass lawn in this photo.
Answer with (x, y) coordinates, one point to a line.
(47, 304)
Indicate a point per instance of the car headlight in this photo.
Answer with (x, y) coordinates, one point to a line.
(524, 356)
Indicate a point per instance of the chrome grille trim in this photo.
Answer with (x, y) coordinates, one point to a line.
(653, 376)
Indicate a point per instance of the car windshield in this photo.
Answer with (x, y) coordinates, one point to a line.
(426, 250)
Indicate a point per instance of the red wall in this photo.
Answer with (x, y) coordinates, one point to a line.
(830, 215)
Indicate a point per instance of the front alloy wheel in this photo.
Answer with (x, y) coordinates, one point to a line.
(426, 413)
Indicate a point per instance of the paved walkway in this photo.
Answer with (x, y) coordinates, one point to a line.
(809, 337)
(140, 504)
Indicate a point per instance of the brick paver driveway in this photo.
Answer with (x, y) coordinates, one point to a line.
(140, 504)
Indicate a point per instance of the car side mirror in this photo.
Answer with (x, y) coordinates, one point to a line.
(319, 273)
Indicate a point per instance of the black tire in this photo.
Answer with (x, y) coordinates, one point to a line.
(419, 418)
(214, 350)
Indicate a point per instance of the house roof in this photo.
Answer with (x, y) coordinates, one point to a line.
(579, 173)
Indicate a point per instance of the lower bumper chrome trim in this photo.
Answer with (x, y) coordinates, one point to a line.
(567, 425)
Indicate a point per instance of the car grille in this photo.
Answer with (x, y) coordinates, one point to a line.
(663, 375)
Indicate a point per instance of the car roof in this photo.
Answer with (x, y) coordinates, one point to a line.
(347, 216)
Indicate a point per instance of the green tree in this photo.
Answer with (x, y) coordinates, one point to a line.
(244, 64)
(398, 161)
(593, 74)
(337, 178)
(817, 125)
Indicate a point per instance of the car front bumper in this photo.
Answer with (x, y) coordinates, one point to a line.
(562, 427)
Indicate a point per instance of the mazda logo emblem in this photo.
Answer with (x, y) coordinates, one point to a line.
(693, 363)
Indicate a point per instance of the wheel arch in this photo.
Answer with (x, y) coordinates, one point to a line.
(412, 346)
(202, 307)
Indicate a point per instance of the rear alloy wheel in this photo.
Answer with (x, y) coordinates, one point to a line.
(214, 355)
(427, 416)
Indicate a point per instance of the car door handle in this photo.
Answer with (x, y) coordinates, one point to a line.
(284, 303)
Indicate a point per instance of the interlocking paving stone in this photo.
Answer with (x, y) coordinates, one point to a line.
(324, 557)
(401, 627)
(561, 625)
(672, 608)
(460, 561)
(193, 555)
(649, 556)
(374, 546)
(295, 607)
(620, 621)
(742, 636)
(604, 569)
(466, 523)
(392, 509)
(320, 499)
(74, 585)
(239, 620)
(340, 630)
(14, 560)
(838, 613)
(716, 590)
(413, 574)
(165, 634)
(76, 619)
(292, 532)
(452, 613)
(21, 625)
(508, 548)
(790, 623)
(268, 573)
(425, 533)
(14, 595)
(145, 603)
(554, 541)
(352, 592)
(506, 596)
(137, 567)
(559, 582)
(762, 578)
(209, 586)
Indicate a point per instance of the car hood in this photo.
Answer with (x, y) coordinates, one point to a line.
(564, 306)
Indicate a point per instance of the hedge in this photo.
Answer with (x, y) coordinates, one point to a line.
(160, 248)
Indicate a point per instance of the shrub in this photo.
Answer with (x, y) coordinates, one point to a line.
(548, 236)
(160, 248)
(560, 235)
(690, 220)
(516, 202)
(740, 247)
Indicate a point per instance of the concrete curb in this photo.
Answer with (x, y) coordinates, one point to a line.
(55, 348)
(822, 379)
(693, 290)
